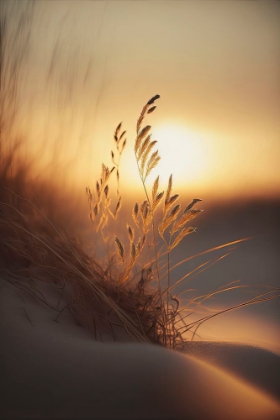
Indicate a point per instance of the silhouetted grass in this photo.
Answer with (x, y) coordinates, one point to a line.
(129, 290)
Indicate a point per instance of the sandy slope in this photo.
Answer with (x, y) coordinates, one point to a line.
(53, 370)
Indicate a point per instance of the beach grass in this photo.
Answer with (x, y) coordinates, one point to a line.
(131, 290)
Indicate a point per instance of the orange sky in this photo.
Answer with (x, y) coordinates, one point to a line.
(215, 64)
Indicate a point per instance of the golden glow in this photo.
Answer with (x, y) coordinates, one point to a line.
(216, 121)
(184, 154)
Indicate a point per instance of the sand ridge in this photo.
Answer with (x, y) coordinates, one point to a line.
(56, 370)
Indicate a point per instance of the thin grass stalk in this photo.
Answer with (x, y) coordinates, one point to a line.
(142, 116)
(255, 300)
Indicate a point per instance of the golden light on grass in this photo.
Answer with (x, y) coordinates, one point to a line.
(153, 235)
(131, 280)
(184, 152)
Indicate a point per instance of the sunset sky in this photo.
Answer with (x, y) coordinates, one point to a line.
(216, 65)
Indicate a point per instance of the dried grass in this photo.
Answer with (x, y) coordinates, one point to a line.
(171, 225)
(133, 291)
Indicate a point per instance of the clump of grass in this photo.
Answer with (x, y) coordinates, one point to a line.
(159, 303)
(158, 217)
(134, 291)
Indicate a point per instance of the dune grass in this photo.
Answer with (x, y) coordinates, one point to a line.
(133, 290)
(158, 218)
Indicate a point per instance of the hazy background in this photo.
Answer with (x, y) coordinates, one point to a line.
(92, 64)
(84, 66)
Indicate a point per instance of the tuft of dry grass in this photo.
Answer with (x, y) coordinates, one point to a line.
(133, 291)
(158, 309)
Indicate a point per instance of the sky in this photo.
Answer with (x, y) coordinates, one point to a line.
(215, 65)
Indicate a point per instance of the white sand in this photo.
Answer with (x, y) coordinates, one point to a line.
(53, 370)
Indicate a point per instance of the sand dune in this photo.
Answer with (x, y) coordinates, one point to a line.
(55, 370)
(254, 365)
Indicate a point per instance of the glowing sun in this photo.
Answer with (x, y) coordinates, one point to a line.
(183, 153)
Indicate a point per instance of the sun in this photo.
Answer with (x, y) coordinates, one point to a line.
(183, 152)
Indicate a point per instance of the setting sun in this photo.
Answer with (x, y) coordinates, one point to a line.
(182, 151)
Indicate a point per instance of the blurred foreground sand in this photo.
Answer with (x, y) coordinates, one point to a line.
(55, 370)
